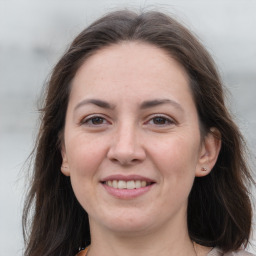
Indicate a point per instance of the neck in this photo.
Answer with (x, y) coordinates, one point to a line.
(162, 242)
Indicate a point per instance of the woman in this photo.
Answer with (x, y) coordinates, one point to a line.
(137, 153)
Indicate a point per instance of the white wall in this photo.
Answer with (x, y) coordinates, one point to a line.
(33, 34)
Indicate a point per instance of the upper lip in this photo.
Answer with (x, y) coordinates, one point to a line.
(126, 178)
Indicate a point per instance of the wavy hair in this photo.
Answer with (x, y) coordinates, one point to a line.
(219, 207)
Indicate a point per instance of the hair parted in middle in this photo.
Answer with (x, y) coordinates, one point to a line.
(219, 209)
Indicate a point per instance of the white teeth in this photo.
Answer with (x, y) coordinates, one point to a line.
(130, 184)
(122, 184)
(138, 184)
(143, 183)
(114, 184)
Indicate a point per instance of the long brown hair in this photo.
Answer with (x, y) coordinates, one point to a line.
(219, 208)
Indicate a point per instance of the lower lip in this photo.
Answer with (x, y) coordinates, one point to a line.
(127, 193)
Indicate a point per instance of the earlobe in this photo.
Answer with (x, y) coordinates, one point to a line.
(65, 170)
(209, 152)
(65, 165)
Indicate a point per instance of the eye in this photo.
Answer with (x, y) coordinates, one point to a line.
(94, 121)
(159, 120)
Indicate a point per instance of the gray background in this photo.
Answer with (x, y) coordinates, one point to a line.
(34, 34)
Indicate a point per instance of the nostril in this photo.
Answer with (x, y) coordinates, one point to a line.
(126, 156)
(125, 161)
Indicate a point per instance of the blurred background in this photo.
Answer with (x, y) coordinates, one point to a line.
(34, 34)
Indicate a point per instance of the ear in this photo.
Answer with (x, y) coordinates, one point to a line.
(65, 166)
(209, 152)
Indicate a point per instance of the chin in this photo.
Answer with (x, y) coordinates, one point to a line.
(129, 228)
(126, 222)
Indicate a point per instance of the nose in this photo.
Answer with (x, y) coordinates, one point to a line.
(126, 147)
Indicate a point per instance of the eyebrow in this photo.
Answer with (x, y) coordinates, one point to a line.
(97, 102)
(157, 102)
(144, 105)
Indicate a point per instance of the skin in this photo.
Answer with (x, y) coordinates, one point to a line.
(161, 142)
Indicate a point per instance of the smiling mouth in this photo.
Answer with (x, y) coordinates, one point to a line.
(131, 184)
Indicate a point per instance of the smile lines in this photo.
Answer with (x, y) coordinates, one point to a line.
(131, 184)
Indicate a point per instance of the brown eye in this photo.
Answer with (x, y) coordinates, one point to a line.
(160, 121)
(94, 121)
(97, 120)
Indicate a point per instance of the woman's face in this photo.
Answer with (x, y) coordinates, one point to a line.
(132, 143)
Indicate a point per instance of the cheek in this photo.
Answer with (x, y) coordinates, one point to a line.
(177, 156)
(84, 155)
(84, 160)
(176, 160)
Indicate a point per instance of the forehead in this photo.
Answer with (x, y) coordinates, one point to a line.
(130, 67)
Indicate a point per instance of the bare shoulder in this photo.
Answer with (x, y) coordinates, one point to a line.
(218, 252)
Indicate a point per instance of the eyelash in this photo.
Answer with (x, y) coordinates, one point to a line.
(168, 121)
(90, 119)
